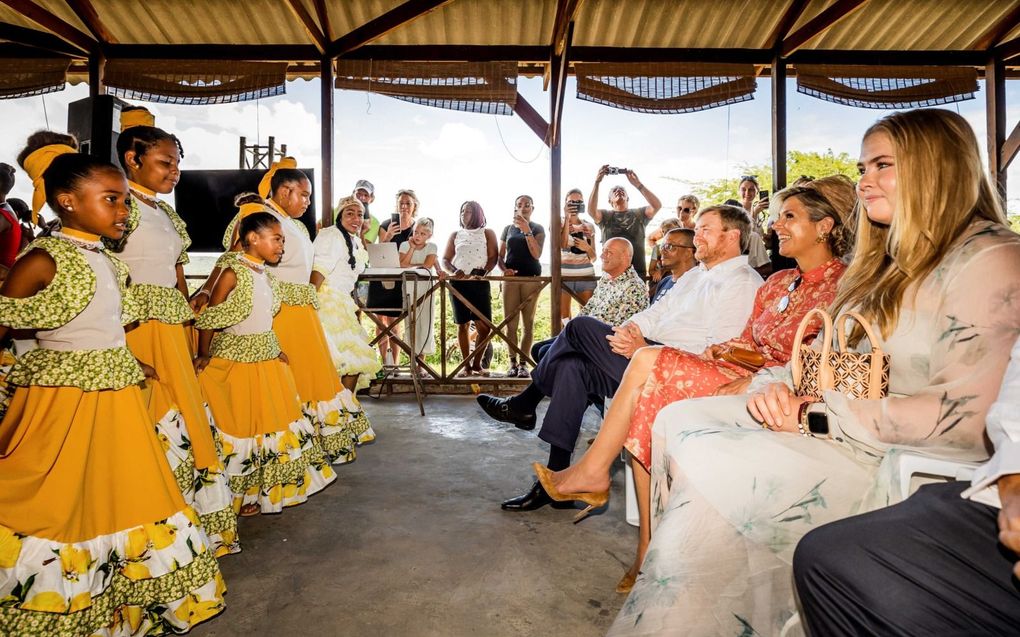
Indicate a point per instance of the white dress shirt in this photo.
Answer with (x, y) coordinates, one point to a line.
(1003, 427)
(703, 308)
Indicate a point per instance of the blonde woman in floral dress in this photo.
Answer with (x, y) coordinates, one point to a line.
(339, 258)
(273, 457)
(735, 484)
(154, 248)
(95, 536)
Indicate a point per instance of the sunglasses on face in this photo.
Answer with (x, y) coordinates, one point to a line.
(686, 209)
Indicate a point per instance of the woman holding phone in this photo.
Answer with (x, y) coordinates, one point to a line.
(520, 247)
(385, 298)
(577, 253)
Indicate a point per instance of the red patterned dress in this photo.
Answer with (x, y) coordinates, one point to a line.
(678, 375)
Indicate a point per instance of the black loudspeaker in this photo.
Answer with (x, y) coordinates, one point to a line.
(95, 122)
(205, 200)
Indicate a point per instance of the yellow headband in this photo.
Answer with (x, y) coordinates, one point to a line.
(136, 117)
(35, 165)
(250, 209)
(267, 179)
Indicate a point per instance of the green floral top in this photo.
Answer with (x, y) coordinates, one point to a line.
(70, 292)
(236, 308)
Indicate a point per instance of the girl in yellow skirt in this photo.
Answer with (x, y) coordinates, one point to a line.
(272, 456)
(95, 537)
(154, 247)
(339, 420)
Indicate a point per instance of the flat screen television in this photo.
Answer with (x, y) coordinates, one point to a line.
(205, 200)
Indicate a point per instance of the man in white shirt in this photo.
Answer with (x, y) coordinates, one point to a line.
(709, 304)
(944, 561)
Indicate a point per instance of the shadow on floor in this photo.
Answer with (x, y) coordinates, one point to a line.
(410, 540)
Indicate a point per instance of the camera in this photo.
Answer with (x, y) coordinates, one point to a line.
(614, 170)
(575, 206)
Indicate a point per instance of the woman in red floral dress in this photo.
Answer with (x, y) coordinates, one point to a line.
(812, 229)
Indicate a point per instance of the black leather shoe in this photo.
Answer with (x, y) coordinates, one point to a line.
(501, 410)
(534, 499)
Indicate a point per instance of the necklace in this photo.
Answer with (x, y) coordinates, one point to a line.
(257, 267)
(151, 201)
(92, 245)
(784, 302)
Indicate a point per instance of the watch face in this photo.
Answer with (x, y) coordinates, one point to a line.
(818, 423)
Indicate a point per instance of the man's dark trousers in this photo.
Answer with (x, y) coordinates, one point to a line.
(579, 362)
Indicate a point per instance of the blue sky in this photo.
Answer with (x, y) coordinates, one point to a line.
(448, 157)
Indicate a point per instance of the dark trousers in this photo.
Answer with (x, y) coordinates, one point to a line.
(931, 565)
(578, 363)
(540, 349)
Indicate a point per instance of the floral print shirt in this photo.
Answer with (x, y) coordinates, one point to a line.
(617, 299)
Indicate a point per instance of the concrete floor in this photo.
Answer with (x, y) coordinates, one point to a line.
(410, 540)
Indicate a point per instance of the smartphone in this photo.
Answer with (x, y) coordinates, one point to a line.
(763, 194)
(395, 218)
(576, 206)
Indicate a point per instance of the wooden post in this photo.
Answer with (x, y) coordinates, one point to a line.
(778, 123)
(995, 109)
(558, 82)
(553, 237)
(326, 112)
(96, 65)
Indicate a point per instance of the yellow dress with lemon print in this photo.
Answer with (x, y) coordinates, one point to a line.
(95, 536)
(155, 241)
(272, 456)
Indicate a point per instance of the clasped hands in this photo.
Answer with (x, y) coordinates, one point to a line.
(776, 407)
(626, 339)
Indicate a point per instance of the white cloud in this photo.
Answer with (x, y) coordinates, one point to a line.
(454, 140)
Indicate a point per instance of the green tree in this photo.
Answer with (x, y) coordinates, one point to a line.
(798, 163)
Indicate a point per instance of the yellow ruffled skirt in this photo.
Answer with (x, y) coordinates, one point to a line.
(271, 454)
(340, 422)
(95, 536)
(176, 407)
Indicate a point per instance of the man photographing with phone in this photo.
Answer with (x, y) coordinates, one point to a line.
(619, 220)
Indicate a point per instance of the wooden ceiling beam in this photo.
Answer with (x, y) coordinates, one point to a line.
(52, 23)
(90, 18)
(323, 13)
(999, 30)
(819, 24)
(532, 118)
(565, 11)
(1009, 49)
(311, 28)
(41, 40)
(375, 29)
(786, 23)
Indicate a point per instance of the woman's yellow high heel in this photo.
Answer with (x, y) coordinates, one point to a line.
(593, 500)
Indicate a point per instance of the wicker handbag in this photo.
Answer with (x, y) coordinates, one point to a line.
(855, 374)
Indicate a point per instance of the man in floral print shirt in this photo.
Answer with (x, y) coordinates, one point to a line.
(620, 292)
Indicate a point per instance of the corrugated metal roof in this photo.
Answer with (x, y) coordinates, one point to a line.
(723, 24)
(915, 25)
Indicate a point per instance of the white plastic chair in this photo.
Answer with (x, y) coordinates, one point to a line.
(912, 464)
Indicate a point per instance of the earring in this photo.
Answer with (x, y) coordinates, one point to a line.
(822, 238)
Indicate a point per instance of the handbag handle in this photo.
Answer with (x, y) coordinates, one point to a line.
(841, 330)
(796, 367)
(875, 375)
